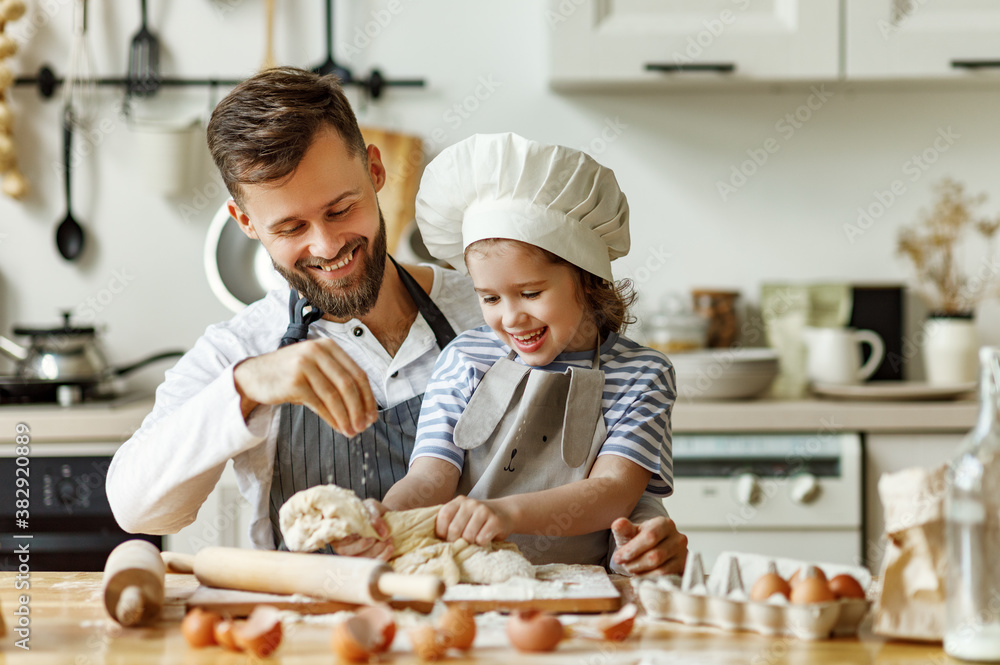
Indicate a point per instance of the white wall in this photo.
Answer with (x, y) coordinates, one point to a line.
(671, 149)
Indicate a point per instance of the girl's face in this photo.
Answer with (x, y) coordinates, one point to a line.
(534, 306)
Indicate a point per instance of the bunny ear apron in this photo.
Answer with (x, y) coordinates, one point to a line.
(526, 430)
(309, 452)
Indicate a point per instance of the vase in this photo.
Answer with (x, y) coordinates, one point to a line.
(951, 348)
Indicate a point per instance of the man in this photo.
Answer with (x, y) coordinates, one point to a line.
(358, 334)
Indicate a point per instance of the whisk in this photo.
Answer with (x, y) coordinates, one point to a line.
(79, 92)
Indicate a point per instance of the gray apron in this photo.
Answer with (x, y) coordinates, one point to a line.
(526, 430)
(309, 452)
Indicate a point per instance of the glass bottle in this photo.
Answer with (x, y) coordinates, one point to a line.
(972, 515)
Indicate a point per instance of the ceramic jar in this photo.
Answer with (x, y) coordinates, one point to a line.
(951, 348)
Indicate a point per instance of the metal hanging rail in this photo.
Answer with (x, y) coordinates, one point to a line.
(374, 84)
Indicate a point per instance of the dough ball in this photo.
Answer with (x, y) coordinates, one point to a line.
(313, 518)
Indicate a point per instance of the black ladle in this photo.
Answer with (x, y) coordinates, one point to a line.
(69, 234)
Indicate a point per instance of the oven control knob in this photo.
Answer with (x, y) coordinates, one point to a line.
(747, 489)
(804, 488)
(66, 492)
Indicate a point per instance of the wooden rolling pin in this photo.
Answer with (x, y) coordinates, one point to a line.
(133, 583)
(328, 576)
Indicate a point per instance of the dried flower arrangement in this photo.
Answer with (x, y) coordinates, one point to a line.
(933, 247)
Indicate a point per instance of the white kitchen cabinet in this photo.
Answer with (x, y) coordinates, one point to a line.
(898, 39)
(886, 453)
(223, 520)
(650, 41)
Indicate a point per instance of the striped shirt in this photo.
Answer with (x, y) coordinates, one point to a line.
(639, 394)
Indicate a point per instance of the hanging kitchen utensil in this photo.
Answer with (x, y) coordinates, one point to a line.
(69, 234)
(79, 86)
(143, 61)
(269, 60)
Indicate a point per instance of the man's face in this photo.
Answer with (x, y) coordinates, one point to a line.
(322, 226)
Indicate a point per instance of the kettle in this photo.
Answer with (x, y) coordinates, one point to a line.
(67, 354)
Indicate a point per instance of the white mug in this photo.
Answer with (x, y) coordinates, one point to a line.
(834, 354)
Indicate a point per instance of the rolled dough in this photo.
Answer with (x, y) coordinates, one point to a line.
(316, 516)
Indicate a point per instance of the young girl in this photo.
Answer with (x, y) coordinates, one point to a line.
(547, 424)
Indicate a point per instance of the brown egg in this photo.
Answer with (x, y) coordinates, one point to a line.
(457, 627)
(198, 627)
(811, 590)
(769, 584)
(845, 586)
(224, 635)
(534, 631)
(261, 633)
(382, 624)
(427, 642)
(810, 571)
(618, 626)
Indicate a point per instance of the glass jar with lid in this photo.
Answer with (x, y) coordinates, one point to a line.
(676, 327)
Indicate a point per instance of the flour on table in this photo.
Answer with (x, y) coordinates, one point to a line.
(314, 517)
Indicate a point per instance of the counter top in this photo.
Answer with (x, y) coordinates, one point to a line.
(112, 421)
(116, 421)
(824, 415)
(68, 625)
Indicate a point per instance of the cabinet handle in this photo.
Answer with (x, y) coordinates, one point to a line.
(975, 64)
(718, 67)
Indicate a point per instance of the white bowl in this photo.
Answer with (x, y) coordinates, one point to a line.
(725, 373)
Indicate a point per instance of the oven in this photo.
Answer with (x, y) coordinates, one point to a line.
(787, 495)
(69, 524)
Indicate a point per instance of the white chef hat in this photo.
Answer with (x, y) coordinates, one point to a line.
(505, 186)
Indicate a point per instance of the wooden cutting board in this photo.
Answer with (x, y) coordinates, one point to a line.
(557, 588)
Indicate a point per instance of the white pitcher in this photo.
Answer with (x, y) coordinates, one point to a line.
(834, 354)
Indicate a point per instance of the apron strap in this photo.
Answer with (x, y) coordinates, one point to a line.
(298, 319)
(491, 399)
(435, 318)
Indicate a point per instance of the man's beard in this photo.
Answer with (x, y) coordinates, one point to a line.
(349, 297)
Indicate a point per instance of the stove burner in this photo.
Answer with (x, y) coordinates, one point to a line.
(15, 390)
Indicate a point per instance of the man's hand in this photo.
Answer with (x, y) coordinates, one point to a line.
(651, 547)
(368, 547)
(316, 373)
(479, 522)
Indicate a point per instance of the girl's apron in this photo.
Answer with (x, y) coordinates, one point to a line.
(310, 452)
(526, 430)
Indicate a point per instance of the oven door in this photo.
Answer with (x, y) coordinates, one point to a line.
(70, 523)
(782, 495)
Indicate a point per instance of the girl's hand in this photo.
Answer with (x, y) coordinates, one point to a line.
(654, 546)
(368, 547)
(479, 522)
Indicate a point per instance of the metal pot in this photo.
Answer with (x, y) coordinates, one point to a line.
(69, 354)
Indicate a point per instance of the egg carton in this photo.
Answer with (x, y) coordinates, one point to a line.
(720, 600)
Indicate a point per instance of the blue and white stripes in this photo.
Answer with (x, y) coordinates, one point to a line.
(639, 393)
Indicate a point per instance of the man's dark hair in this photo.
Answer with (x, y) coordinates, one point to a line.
(261, 130)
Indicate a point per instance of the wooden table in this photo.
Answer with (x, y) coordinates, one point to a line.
(68, 625)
